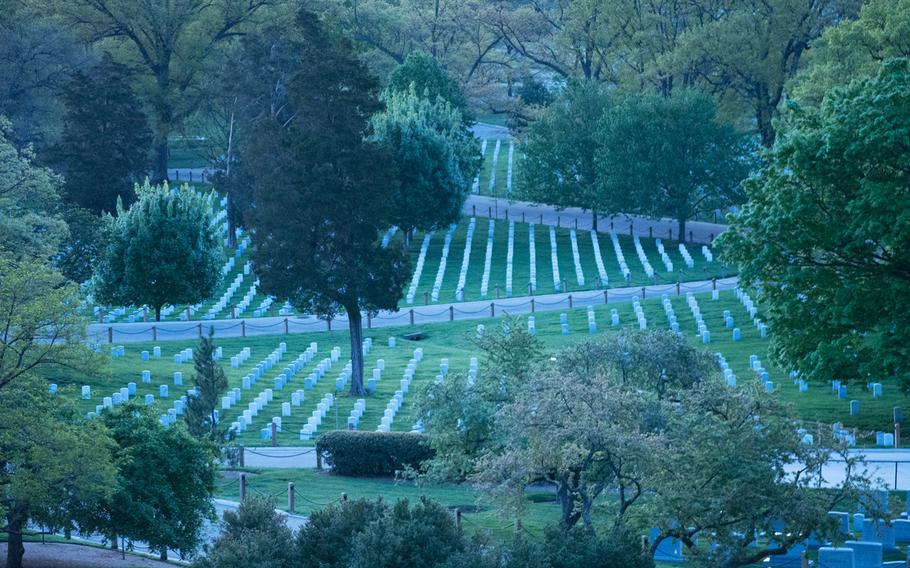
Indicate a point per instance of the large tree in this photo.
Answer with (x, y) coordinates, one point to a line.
(104, 148)
(855, 48)
(171, 44)
(165, 482)
(29, 195)
(562, 146)
(824, 237)
(437, 157)
(324, 192)
(37, 56)
(750, 50)
(162, 250)
(53, 465)
(430, 79)
(670, 156)
(753, 472)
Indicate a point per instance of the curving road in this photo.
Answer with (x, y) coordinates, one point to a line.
(434, 313)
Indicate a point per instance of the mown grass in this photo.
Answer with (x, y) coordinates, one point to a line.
(454, 340)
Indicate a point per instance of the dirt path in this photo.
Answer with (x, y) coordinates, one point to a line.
(39, 555)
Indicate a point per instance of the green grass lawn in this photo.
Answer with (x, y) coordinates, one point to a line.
(454, 341)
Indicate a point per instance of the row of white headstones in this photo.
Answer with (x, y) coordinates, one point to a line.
(475, 187)
(410, 296)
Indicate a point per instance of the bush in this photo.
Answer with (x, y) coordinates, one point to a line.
(581, 547)
(361, 533)
(372, 453)
(255, 535)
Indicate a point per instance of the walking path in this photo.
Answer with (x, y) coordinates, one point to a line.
(435, 313)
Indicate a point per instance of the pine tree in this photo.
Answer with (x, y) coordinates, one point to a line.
(211, 383)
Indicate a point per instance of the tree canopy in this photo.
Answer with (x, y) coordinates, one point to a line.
(323, 193)
(823, 239)
(164, 249)
(436, 155)
(670, 156)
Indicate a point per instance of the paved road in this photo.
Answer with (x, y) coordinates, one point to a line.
(435, 313)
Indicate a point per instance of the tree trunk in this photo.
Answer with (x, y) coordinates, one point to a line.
(682, 229)
(163, 555)
(15, 549)
(406, 240)
(157, 313)
(114, 542)
(764, 114)
(568, 515)
(594, 220)
(159, 171)
(355, 322)
(231, 221)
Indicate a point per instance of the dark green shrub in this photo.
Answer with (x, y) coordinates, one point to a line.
(325, 541)
(360, 534)
(580, 547)
(255, 535)
(372, 453)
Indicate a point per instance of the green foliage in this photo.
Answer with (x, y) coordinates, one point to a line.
(29, 226)
(326, 539)
(659, 361)
(52, 465)
(324, 192)
(739, 448)
(824, 238)
(171, 46)
(582, 547)
(255, 535)
(429, 79)
(437, 158)
(854, 49)
(164, 485)
(362, 533)
(562, 147)
(670, 157)
(462, 412)
(210, 383)
(372, 453)
(104, 147)
(162, 250)
(40, 329)
(533, 92)
(79, 253)
(749, 54)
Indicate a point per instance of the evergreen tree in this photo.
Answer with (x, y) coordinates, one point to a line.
(430, 79)
(437, 157)
(324, 192)
(162, 250)
(210, 383)
(105, 144)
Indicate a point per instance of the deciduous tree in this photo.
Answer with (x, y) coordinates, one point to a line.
(823, 239)
(670, 156)
(53, 464)
(162, 250)
(172, 43)
(561, 148)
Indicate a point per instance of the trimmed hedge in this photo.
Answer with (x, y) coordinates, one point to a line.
(350, 452)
